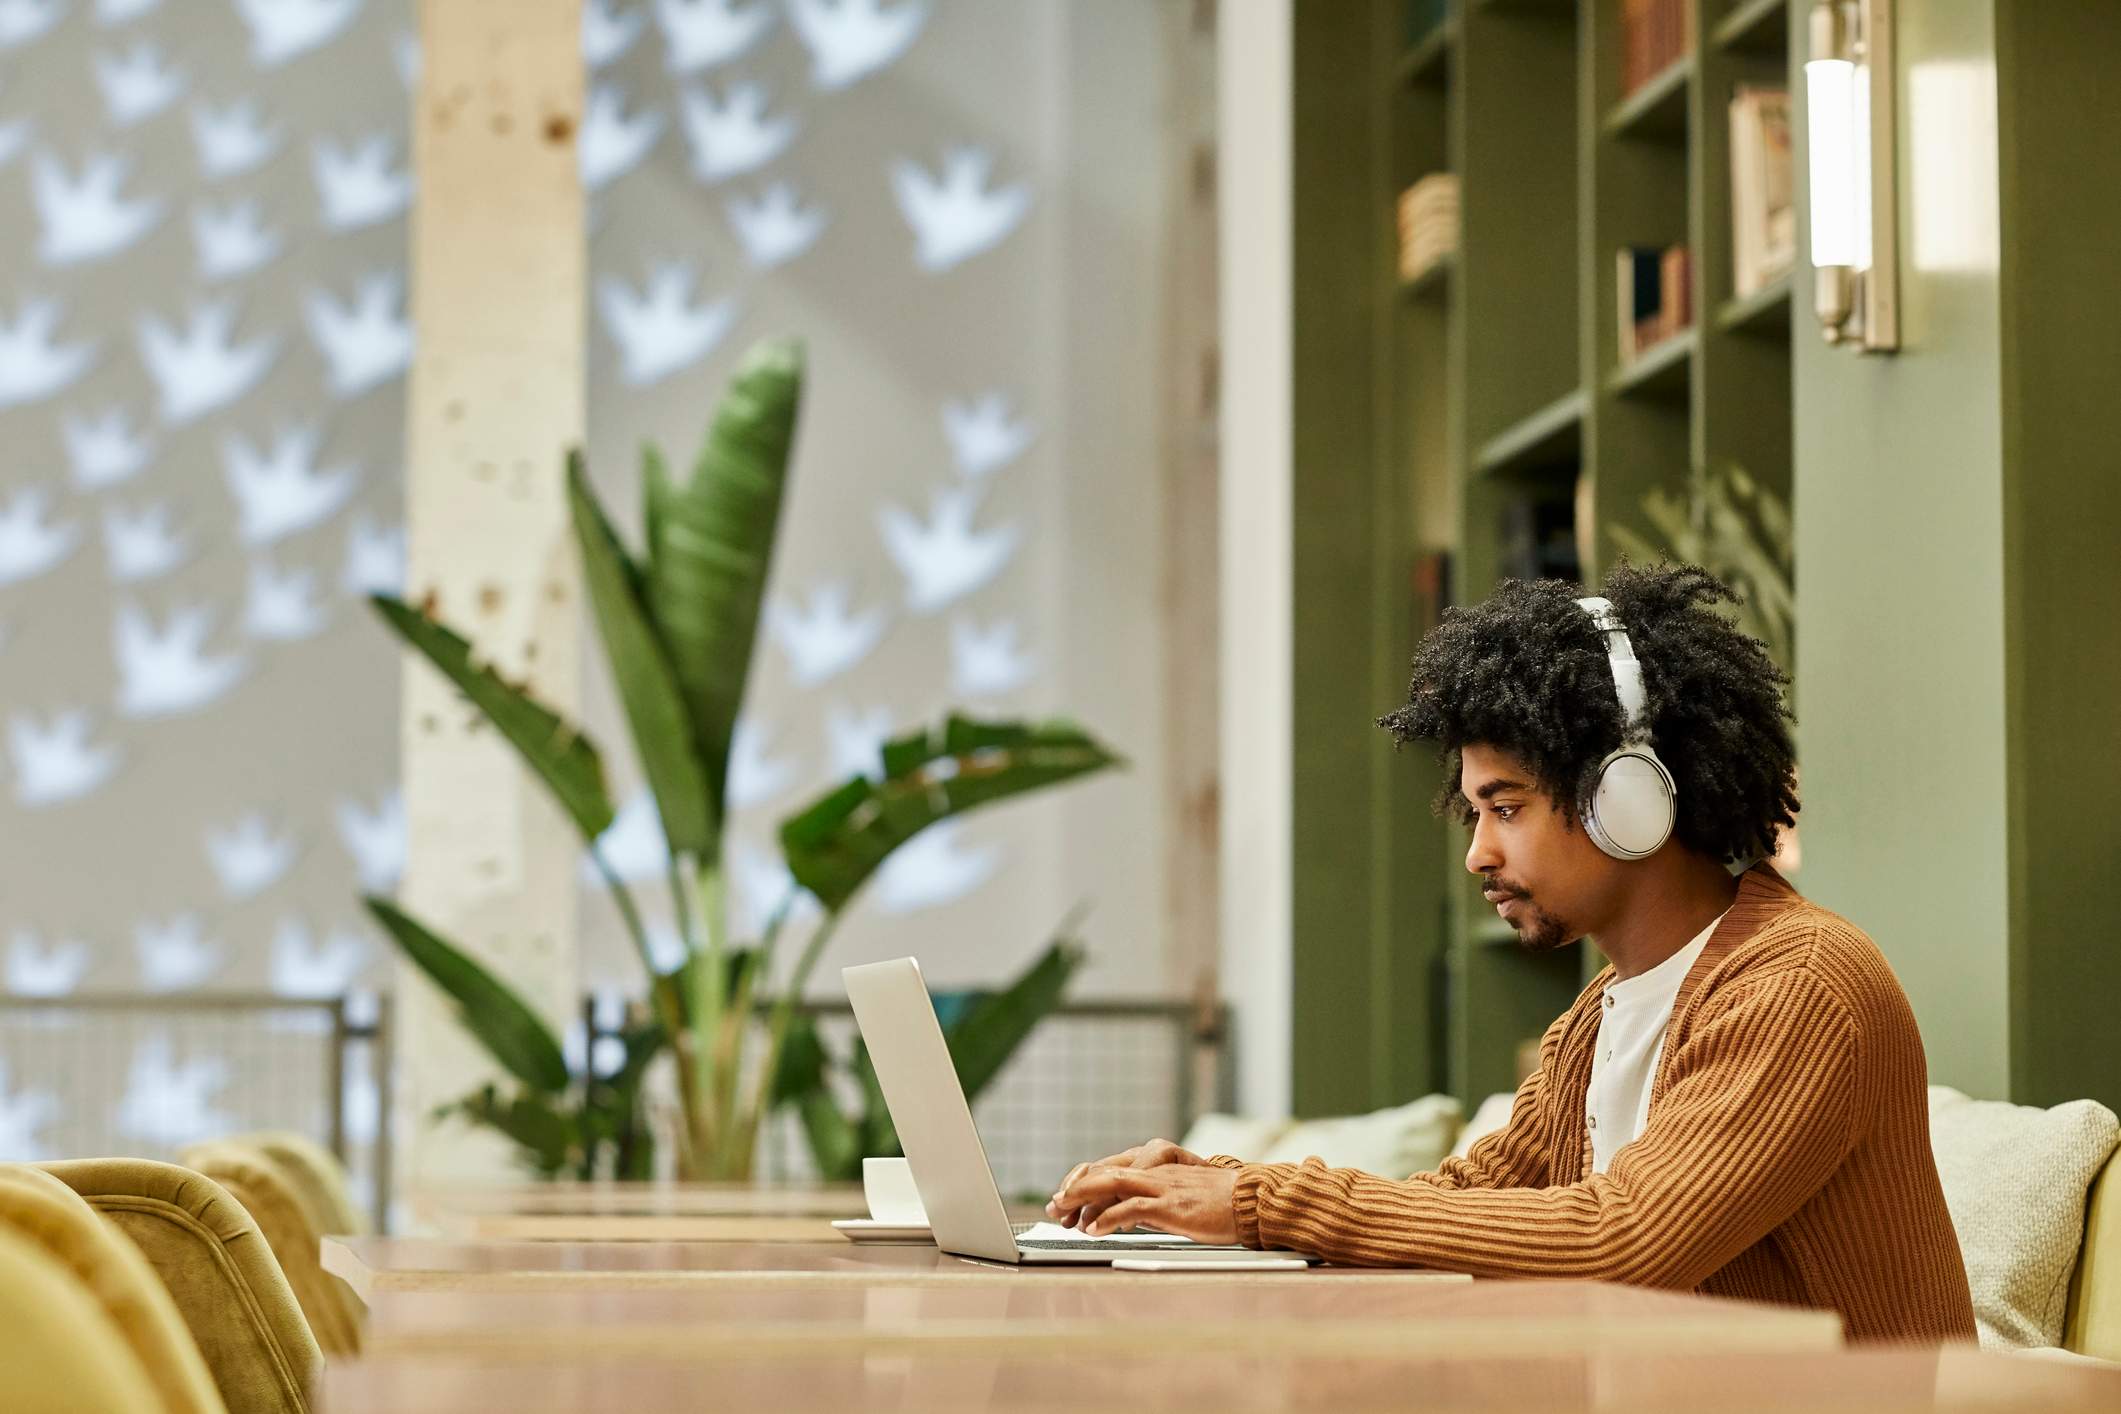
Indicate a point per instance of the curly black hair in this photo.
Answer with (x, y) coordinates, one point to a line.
(1525, 672)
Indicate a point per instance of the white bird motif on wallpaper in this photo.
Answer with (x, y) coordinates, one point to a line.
(610, 143)
(34, 970)
(850, 39)
(762, 884)
(23, 1115)
(375, 838)
(361, 1111)
(405, 57)
(87, 217)
(632, 845)
(250, 856)
(283, 491)
(932, 869)
(666, 947)
(161, 674)
(32, 364)
(659, 330)
(356, 184)
(754, 776)
(175, 952)
(303, 967)
(731, 135)
(231, 240)
(986, 662)
(856, 738)
(203, 368)
(364, 342)
(826, 638)
(137, 84)
(14, 136)
(142, 544)
(170, 1104)
(233, 138)
(607, 32)
(983, 436)
(953, 216)
(944, 559)
(700, 33)
(29, 544)
(775, 227)
(375, 558)
(24, 20)
(281, 29)
(104, 449)
(118, 12)
(279, 606)
(54, 761)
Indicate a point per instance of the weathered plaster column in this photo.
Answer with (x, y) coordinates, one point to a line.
(496, 398)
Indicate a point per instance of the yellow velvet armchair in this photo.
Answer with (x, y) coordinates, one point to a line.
(217, 1267)
(112, 1270)
(60, 1352)
(276, 1201)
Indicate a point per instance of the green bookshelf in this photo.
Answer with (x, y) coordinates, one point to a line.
(1506, 408)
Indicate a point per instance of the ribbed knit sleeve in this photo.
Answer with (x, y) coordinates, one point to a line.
(1762, 1102)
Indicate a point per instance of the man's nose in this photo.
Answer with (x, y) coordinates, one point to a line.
(1481, 855)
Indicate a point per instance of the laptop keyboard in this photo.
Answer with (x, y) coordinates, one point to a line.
(1127, 1244)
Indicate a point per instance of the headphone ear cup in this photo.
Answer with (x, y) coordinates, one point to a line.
(1634, 804)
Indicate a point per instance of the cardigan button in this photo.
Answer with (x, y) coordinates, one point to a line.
(1592, 1120)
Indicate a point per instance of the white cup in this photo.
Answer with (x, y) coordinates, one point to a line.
(893, 1198)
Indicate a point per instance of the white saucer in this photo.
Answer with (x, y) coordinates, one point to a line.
(870, 1230)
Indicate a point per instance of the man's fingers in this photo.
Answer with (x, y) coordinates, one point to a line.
(1125, 1213)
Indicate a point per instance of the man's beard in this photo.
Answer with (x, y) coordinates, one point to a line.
(1539, 931)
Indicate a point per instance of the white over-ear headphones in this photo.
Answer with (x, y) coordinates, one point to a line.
(1633, 805)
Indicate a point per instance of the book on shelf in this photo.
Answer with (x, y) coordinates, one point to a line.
(1654, 297)
(1428, 224)
(1763, 205)
(1654, 35)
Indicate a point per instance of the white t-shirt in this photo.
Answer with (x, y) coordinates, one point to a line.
(1630, 1038)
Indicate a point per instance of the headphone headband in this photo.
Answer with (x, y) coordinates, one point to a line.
(1620, 653)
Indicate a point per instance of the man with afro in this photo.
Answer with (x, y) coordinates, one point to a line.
(1737, 1103)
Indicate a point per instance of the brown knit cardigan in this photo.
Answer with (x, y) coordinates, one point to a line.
(1786, 1157)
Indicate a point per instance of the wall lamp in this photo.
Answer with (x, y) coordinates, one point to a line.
(1849, 101)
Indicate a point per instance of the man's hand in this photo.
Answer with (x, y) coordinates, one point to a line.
(1154, 1154)
(1187, 1199)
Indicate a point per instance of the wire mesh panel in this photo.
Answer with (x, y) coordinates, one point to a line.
(1090, 1081)
(84, 1076)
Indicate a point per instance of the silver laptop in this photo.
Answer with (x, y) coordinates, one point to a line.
(943, 1148)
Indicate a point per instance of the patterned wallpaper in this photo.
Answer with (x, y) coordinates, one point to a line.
(203, 348)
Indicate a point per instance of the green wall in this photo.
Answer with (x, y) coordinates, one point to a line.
(1956, 511)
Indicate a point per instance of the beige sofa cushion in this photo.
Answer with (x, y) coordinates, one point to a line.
(2015, 1179)
(1391, 1142)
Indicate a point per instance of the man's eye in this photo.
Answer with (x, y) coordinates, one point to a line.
(1505, 811)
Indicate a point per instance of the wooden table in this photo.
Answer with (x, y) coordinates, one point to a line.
(586, 1211)
(1878, 1380)
(1359, 1314)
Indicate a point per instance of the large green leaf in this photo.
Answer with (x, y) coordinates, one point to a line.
(550, 1139)
(710, 544)
(998, 1022)
(648, 687)
(500, 1019)
(560, 755)
(834, 846)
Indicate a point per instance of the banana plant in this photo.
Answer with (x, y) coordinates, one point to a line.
(1740, 531)
(678, 621)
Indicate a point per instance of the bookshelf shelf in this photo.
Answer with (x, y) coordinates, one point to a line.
(1423, 63)
(1764, 311)
(1493, 436)
(1551, 436)
(1659, 372)
(1656, 112)
(1430, 283)
(1753, 24)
